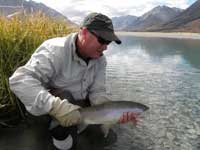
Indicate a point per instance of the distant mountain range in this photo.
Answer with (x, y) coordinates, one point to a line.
(162, 18)
(158, 15)
(124, 22)
(11, 8)
(188, 20)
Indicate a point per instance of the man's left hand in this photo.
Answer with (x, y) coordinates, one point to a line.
(129, 116)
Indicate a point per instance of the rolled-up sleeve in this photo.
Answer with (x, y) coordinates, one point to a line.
(29, 82)
(97, 92)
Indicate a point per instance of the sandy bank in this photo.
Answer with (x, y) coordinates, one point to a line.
(177, 35)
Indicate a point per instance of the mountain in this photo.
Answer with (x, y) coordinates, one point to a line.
(157, 15)
(188, 20)
(10, 6)
(123, 22)
(16, 7)
(11, 2)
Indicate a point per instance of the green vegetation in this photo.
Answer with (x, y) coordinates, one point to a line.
(19, 37)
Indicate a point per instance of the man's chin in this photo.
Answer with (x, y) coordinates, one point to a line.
(97, 56)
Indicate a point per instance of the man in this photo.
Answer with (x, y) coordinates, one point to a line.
(75, 64)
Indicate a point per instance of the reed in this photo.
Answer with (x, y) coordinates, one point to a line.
(19, 37)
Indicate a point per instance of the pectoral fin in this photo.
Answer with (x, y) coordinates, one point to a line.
(82, 127)
(105, 129)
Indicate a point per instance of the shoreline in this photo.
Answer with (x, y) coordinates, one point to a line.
(176, 35)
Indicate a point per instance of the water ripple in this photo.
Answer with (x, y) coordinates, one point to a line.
(167, 79)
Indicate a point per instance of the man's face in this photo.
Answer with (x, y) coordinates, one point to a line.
(93, 46)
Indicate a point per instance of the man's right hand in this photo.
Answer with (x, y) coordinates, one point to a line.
(129, 116)
(66, 113)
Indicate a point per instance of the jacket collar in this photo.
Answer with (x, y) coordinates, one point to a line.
(75, 56)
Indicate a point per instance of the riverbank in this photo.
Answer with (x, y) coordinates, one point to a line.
(177, 35)
(33, 134)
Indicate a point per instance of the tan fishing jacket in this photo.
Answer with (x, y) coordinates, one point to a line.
(55, 64)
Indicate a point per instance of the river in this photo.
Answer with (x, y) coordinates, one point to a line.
(164, 74)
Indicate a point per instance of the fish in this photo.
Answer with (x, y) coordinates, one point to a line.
(105, 114)
(110, 112)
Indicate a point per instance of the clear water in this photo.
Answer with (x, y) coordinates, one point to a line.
(165, 75)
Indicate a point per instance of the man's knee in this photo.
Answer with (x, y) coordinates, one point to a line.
(64, 137)
(63, 94)
(60, 133)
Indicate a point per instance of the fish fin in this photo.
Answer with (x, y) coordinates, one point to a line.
(105, 129)
(82, 127)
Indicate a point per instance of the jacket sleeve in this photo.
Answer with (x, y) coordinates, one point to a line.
(97, 91)
(30, 82)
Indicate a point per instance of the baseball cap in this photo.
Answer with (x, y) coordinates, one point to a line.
(101, 25)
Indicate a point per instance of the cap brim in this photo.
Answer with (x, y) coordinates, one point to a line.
(108, 35)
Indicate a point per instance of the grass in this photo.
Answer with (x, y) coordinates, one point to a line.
(19, 37)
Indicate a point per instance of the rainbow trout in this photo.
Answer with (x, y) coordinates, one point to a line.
(110, 112)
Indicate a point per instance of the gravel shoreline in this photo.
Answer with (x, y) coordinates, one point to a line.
(177, 35)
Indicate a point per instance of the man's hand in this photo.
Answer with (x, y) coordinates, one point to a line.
(66, 113)
(129, 116)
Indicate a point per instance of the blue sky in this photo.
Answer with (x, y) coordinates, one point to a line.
(191, 1)
(75, 10)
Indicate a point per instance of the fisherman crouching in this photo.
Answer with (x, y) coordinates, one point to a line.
(75, 64)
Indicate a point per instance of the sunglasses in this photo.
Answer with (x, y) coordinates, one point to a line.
(101, 40)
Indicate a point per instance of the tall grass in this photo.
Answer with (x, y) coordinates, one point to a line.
(19, 37)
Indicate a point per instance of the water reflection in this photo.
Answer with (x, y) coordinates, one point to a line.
(165, 75)
(159, 48)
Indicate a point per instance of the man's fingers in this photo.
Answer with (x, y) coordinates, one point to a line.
(129, 116)
(134, 118)
(123, 118)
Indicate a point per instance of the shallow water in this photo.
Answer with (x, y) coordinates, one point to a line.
(165, 75)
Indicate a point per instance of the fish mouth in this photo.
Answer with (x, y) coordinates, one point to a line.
(146, 108)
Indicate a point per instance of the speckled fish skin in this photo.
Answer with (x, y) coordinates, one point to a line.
(110, 112)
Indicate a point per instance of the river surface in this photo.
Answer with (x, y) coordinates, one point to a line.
(164, 74)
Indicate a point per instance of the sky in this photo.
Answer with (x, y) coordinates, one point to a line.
(75, 10)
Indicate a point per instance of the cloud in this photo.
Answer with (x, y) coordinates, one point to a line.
(75, 14)
(76, 10)
(177, 3)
